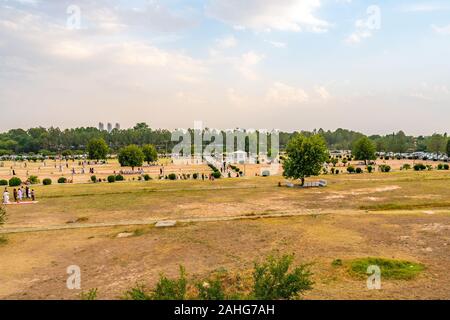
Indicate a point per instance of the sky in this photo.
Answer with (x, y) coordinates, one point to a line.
(371, 66)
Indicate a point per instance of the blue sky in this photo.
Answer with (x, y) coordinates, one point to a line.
(376, 67)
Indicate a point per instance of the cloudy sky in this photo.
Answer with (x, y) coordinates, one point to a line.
(372, 66)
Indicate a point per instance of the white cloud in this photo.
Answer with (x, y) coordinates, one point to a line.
(322, 92)
(284, 94)
(227, 42)
(276, 44)
(441, 30)
(424, 7)
(267, 15)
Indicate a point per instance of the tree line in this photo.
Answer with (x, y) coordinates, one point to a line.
(52, 140)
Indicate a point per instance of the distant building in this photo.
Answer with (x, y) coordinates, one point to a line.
(117, 127)
(109, 127)
(101, 126)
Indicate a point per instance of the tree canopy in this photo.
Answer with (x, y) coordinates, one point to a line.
(364, 149)
(150, 153)
(305, 157)
(131, 156)
(97, 149)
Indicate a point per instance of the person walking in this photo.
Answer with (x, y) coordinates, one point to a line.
(33, 195)
(6, 196)
(19, 194)
(15, 194)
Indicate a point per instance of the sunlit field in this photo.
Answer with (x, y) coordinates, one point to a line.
(226, 225)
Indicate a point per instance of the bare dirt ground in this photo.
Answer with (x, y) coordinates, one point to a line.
(401, 215)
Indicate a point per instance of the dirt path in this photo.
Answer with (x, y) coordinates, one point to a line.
(153, 221)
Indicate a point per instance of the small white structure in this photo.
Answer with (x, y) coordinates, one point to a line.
(239, 156)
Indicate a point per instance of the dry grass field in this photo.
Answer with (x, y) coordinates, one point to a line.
(227, 224)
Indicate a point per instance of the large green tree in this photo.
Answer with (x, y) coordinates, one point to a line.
(97, 149)
(150, 153)
(305, 157)
(437, 143)
(364, 149)
(131, 156)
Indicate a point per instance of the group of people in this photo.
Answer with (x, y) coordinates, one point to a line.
(19, 194)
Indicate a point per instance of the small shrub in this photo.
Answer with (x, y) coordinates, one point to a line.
(168, 289)
(369, 169)
(111, 179)
(419, 167)
(385, 168)
(62, 180)
(351, 169)
(34, 180)
(172, 176)
(15, 182)
(147, 177)
(216, 174)
(94, 179)
(273, 279)
(429, 167)
(120, 177)
(446, 166)
(336, 263)
(90, 295)
(406, 166)
(3, 182)
(358, 170)
(137, 293)
(210, 290)
(195, 176)
(47, 181)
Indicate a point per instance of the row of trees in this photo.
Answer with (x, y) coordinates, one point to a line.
(307, 154)
(54, 140)
(129, 156)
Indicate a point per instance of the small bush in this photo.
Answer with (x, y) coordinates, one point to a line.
(351, 169)
(195, 176)
(210, 290)
(369, 169)
(336, 263)
(273, 279)
(94, 179)
(137, 293)
(216, 174)
(3, 182)
(111, 179)
(120, 177)
(385, 168)
(90, 295)
(147, 177)
(358, 170)
(419, 167)
(62, 180)
(47, 181)
(168, 289)
(446, 166)
(34, 180)
(406, 166)
(172, 176)
(15, 182)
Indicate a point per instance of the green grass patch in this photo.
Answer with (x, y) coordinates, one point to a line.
(405, 206)
(390, 269)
